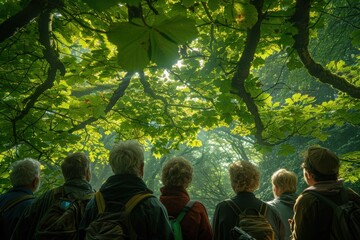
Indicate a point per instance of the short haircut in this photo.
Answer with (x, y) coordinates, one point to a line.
(75, 166)
(244, 176)
(24, 171)
(284, 180)
(177, 172)
(127, 157)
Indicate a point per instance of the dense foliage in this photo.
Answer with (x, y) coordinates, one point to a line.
(277, 74)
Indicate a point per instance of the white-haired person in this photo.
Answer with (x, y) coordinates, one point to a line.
(148, 219)
(284, 184)
(244, 177)
(25, 179)
(177, 176)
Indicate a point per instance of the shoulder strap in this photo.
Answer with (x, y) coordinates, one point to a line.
(233, 206)
(100, 202)
(135, 200)
(263, 209)
(15, 202)
(183, 211)
(323, 198)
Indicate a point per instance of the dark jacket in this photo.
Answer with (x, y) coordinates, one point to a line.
(27, 225)
(195, 225)
(225, 218)
(11, 217)
(312, 219)
(284, 205)
(149, 218)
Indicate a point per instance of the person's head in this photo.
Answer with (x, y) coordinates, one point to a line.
(76, 166)
(320, 164)
(127, 158)
(177, 173)
(259, 230)
(283, 181)
(244, 176)
(26, 173)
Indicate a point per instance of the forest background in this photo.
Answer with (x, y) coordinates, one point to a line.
(214, 81)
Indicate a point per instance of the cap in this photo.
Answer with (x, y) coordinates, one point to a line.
(322, 160)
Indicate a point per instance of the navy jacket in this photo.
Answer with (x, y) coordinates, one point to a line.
(12, 216)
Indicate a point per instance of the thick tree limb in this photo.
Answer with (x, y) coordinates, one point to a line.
(11, 25)
(243, 70)
(119, 92)
(300, 20)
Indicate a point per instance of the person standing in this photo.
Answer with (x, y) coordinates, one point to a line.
(77, 175)
(284, 184)
(25, 179)
(148, 218)
(312, 217)
(244, 177)
(176, 177)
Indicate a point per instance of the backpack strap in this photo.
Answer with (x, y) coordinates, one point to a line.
(13, 203)
(237, 210)
(183, 211)
(233, 206)
(135, 200)
(100, 201)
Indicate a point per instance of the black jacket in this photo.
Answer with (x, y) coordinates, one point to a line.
(225, 218)
(149, 218)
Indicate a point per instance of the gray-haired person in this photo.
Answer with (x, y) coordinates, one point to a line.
(25, 179)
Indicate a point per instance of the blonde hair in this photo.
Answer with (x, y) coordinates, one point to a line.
(127, 157)
(244, 176)
(177, 172)
(284, 180)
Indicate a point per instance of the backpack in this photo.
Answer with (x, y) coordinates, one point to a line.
(62, 219)
(113, 225)
(251, 216)
(175, 222)
(346, 218)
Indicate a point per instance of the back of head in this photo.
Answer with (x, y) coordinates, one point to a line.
(322, 163)
(260, 230)
(284, 180)
(177, 172)
(127, 157)
(244, 176)
(75, 166)
(24, 172)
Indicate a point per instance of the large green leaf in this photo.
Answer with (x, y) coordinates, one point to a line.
(102, 5)
(163, 52)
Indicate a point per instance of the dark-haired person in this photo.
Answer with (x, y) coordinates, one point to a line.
(244, 177)
(312, 217)
(25, 179)
(77, 174)
(176, 177)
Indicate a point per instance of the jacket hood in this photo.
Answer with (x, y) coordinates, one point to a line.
(288, 199)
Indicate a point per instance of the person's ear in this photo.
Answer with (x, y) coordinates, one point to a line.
(88, 174)
(142, 170)
(35, 184)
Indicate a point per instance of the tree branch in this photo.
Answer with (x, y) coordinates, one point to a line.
(300, 19)
(243, 71)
